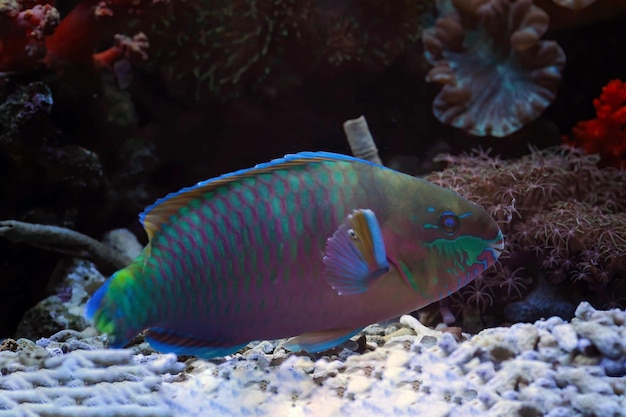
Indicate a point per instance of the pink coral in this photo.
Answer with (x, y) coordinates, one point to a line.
(497, 74)
(563, 217)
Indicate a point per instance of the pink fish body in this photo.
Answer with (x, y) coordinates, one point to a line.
(312, 245)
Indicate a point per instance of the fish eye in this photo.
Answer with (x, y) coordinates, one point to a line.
(352, 234)
(449, 222)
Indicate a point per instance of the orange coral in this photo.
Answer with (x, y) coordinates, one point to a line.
(606, 134)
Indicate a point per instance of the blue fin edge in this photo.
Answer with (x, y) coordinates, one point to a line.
(294, 346)
(377, 237)
(94, 303)
(189, 346)
(305, 155)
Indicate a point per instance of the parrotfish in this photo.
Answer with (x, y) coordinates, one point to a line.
(313, 246)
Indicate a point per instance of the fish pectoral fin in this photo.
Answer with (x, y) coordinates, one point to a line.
(319, 341)
(168, 341)
(355, 254)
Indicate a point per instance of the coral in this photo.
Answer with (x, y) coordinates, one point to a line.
(24, 25)
(20, 112)
(267, 46)
(606, 134)
(74, 280)
(26, 136)
(33, 34)
(550, 368)
(371, 34)
(561, 214)
(509, 279)
(63, 310)
(478, 295)
(497, 74)
(238, 43)
(360, 140)
(202, 49)
(83, 382)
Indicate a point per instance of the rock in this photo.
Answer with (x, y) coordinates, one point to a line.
(65, 309)
(566, 337)
(607, 340)
(546, 300)
(124, 241)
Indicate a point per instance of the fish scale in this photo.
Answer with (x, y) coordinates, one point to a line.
(227, 208)
(248, 255)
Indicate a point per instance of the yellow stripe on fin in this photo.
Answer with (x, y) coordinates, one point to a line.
(355, 254)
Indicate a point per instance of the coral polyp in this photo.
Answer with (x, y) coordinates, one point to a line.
(560, 213)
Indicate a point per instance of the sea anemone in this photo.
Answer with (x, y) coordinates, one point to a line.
(496, 74)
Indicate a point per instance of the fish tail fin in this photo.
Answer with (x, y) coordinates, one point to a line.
(114, 310)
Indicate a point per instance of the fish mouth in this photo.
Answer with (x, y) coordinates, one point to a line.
(495, 247)
(497, 244)
(492, 251)
(486, 259)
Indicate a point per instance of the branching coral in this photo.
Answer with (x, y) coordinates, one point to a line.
(606, 134)
(496, 74)
(559, 212)
(40, 381)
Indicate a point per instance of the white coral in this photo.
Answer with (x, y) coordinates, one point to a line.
(538, 369)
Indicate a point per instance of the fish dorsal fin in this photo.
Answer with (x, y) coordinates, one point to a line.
(160, 213)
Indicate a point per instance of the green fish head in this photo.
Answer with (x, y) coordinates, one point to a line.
(443, 243)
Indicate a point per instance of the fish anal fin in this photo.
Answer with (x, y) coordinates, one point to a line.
(355, 254)
(168, 341)
(320, 340)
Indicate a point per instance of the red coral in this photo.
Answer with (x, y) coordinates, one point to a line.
(74, 39)
(32, 33)
(606, 134)
(23, 28)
